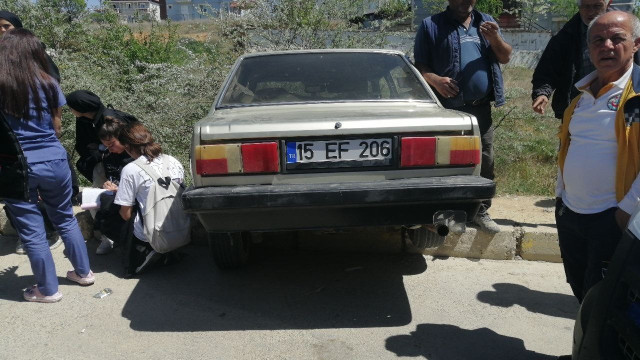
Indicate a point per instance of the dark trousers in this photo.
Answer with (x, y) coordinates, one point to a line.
(587, 243)
(108, 219)
(483, 114)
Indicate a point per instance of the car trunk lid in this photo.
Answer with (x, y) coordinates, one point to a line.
(335, 119)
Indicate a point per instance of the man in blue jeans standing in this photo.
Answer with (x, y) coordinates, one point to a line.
(459, 52)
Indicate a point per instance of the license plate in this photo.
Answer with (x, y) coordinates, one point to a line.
(358, 152)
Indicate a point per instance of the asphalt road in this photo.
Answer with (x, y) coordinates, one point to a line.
(293, 305)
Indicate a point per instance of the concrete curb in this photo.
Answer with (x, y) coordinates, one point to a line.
(512, 242)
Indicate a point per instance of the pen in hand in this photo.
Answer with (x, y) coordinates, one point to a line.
(111, 184)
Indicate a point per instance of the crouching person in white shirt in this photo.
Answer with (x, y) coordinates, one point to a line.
(133, 189)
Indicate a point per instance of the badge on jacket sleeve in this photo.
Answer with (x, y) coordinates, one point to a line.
(632, 110)
(613, 102)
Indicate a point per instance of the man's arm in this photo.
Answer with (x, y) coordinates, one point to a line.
(423, 55)
(540, 104)
(491, 31)
(547, 72)
(445, 86)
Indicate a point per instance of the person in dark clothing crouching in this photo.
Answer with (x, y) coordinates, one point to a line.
(96, 163)
(101, 157)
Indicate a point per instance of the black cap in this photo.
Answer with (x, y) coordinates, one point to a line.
(84, 101)
(11, 17)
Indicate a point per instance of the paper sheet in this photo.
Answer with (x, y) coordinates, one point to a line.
(91, 198)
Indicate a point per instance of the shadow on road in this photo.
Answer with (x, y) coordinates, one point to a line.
(281, 289)
(11, 284)
(552, 304)
(7, 244)
(546, 203)
(507, 222)
(446, 342)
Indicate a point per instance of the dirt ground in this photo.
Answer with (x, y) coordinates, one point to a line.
(524, 209)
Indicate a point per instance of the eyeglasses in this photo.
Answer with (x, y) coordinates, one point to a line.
(592, 7)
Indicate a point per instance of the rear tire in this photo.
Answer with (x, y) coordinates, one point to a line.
(422, 239)
(230, 250)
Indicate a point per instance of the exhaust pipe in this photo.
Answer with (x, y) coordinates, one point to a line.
(442, 229)
(449, 221)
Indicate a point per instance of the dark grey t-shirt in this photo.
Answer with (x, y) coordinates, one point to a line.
(475, 67)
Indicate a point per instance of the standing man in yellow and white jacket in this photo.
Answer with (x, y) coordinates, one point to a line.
(599, 156)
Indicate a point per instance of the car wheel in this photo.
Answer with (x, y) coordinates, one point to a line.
(230, 250)
(423, 238)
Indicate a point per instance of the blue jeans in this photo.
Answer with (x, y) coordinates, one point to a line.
(52, 181)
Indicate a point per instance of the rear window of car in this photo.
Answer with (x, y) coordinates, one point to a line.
(322, 77)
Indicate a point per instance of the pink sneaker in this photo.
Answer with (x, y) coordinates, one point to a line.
(84, 281)
(33, 294)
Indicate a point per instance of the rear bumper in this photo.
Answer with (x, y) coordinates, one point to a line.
(313, 206)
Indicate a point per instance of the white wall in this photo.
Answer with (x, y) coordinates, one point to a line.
(527, 46)
(521, 40)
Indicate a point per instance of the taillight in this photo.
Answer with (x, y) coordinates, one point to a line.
(418, 151)
(440, 150)
(459, 150)
(237, 158)
(260, 158)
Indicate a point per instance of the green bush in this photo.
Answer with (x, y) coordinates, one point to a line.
(148, 70)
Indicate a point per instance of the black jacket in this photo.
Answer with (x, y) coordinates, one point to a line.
(558, 66)
(53, 69)
(88, 147)
(561, 61)
(13, 165)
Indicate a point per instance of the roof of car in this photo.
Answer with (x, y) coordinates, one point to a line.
(327, 51)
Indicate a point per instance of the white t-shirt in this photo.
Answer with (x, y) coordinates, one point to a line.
(587, 182)
(135, 183)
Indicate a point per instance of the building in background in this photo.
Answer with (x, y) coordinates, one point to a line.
(182, 10)
(136, 10)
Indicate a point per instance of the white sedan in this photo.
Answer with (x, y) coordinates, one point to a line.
(318, 139)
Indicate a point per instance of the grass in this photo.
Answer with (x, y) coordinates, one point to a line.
(525, 142)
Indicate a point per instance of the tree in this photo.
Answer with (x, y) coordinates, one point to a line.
(491, 7)
(564, 8)
(301, 24)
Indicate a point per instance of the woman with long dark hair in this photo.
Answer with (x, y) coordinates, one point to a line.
(8, 21)
(134, 187)
(32, 101)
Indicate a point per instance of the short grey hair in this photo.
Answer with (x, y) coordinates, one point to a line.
(635, 24)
